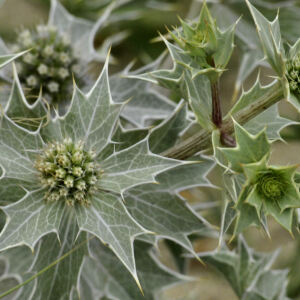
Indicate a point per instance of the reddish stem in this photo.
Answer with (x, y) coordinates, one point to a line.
(216, 105)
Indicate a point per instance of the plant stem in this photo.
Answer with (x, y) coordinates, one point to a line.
(202, 139)
(216, 104)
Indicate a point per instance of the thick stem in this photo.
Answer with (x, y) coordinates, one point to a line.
(202, 139)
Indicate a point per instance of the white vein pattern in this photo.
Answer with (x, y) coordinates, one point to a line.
(82, 32)
(109, 278)
(162, 210)
(59, 280)
(109, 220)
(29, 219)
(15, 148)
(132, 166)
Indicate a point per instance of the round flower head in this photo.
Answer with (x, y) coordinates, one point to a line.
(68, 172)
(271, 184)
(293, 74)
(49, 65)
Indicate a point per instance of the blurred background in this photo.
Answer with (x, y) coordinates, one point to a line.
(139, 21)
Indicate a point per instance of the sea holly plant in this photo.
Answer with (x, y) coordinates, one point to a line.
(95, 184)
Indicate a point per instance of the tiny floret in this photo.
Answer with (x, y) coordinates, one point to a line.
(68, 172)
(64, 58)
(77, 171)
(63, 73)
(42, 69)
(28, 58)
(53, 87)
(32, 81)
(48, 51)
(69, 181)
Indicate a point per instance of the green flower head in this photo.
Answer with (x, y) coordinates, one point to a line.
(49, 65)
(293, 74)
(270, 190)
(204, 41)
(68, 172)
(267, 190)
(271, 184)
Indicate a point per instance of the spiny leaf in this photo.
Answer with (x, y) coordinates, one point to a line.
(172, 78)
(57, 282)
(166, 134)
(255, 92)
(17, 263)
(249, 148)
(246, 213)
(270, 37)
(163, 211)
(133, 166)
(246, 39)
(109, 220)
(271, 120)
(248, 272)
(146, 104)
(185, 77)
(125, 138)
(16, 146)
(200, 99)
(29, 219)
(27, 115)
(91, 117)
(81, 31)
(226, 46)
(103, 275)
(7, 58)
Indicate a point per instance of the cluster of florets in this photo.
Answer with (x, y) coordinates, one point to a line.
(293, 74)
(49, 65)
(271, 184)
(68, 172)
(192, 39)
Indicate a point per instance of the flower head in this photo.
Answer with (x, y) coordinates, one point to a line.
(51, 62)
(66, 169)
(293, 74)
(269, 190)
(205, 42)
(271, 184)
